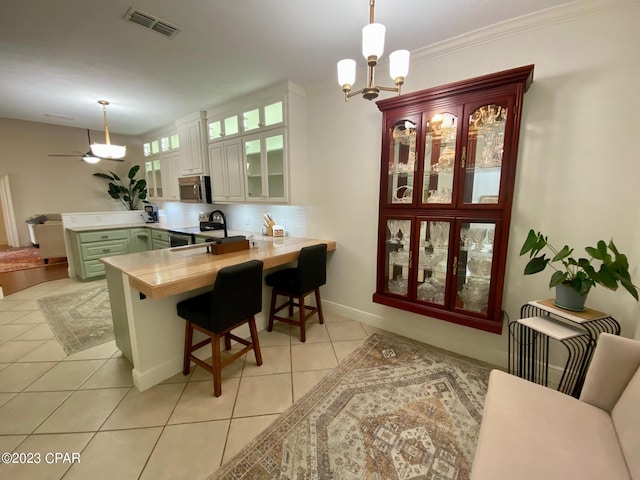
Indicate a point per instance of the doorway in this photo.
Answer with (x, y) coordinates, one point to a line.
(9, 229)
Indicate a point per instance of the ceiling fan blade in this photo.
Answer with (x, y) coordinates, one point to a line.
(64, 155)
(113, 159)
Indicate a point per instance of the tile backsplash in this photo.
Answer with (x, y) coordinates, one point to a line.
(239, 216)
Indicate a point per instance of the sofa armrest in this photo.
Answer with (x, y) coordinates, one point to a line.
(615, 361)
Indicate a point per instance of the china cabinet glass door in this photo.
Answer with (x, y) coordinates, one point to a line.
(402, 160)
(441, 135)
(474, 265)
(397, 256)
(433, 259)
(483, 152)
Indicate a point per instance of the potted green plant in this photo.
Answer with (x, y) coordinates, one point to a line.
(131, 194)
(573, 278)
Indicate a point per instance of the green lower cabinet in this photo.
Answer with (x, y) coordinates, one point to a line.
(139, 240)
(159, 239)
(89, 247)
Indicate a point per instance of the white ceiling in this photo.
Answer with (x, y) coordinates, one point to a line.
(58, 57)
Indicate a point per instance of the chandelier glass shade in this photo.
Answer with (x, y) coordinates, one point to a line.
(107, 150)
(372, 49)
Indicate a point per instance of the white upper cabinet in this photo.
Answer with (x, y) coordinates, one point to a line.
(269, 133)
(268, 114)
(193, 151)
(223, 127)
(227, 172)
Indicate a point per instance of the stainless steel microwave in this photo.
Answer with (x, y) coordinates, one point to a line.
(195, 189)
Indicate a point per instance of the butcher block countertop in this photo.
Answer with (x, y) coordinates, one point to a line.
(170, 271)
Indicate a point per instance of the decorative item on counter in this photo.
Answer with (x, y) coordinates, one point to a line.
(268, 224)
(278, 231)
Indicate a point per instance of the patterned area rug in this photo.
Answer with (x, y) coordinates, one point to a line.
(81, 319)
(23, 258)
(391, 410)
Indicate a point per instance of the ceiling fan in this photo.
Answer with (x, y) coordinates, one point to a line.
(88, 156)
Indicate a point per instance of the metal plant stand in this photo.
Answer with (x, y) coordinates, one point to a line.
(578, 332)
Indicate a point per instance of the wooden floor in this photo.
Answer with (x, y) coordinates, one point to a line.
(12, 282)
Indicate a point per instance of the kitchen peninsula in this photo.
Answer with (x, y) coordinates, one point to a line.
(145, 287)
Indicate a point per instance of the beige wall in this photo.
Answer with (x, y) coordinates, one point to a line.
(43, 184)
(577, 169)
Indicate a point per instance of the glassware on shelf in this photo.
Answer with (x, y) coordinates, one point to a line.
(432, 291)
(399, 257)
(398, 286)
(442, 195)
(430, 260)
(439, 233)
(403, 194)
(479, 264)
(476, 236)
(475, 295)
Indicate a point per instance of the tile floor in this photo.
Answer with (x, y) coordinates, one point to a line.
(86, 403)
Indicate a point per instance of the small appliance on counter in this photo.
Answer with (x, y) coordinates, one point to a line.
(217, 221)
(151, 213)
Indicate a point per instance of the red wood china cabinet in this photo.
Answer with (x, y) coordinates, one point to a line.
(446, 189)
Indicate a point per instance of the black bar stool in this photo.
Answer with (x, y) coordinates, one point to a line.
(234, 301)
(296, 283)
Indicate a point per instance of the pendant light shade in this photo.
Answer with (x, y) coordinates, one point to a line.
(107, 150)
(373, 41)
(346, 72)
(399, 64)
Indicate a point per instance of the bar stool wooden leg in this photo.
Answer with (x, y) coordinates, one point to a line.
(272, 309)
(188, 338)
(254, 340)
(216, 363)
(227, 341)
(291, 303)
(319, 306)
(303, 333)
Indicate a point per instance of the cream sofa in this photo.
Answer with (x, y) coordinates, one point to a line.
(47, 233)
(532, 432)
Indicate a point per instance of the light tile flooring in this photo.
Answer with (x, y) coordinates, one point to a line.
(86, 403)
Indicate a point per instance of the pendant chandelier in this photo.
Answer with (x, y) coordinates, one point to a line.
(107, 150)
(372, 49)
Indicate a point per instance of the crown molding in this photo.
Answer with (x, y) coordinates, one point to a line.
(538, 20)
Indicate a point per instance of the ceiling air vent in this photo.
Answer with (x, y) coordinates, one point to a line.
(153, 23)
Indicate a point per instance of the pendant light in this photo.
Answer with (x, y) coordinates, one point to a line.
(372, 49)
(107, 150)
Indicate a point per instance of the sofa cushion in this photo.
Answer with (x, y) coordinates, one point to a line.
(532, 432)
(626, 420)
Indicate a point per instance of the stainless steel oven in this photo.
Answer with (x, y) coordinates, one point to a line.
(195, 189)
(178, 239)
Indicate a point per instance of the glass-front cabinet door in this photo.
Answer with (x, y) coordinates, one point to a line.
(474, 265)
(266, 166)
(433, 260)
(402, 160)
(482, 155)
(440, 153)
(397, 255)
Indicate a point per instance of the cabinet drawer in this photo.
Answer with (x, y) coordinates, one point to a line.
(104, 249)
(93, 268)
(158, 244)
(103, 235)
(160, 235)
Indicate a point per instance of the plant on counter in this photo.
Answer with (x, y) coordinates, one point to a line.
(579, 274)
(130, 195)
